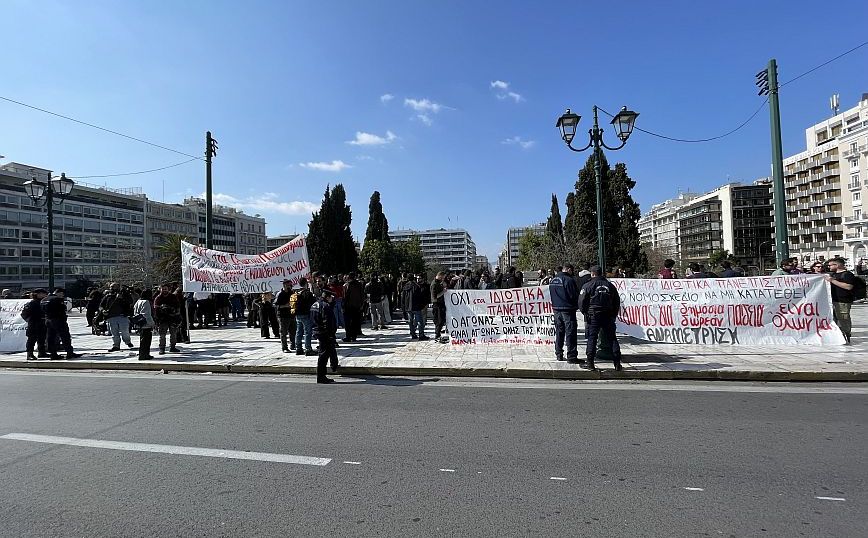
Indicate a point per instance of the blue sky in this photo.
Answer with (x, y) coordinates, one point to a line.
(294, 93)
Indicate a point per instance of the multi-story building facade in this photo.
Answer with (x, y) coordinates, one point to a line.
(513, 239)
(658, 228)
(272, 243)
(453, 249)
(824, 186)
(481, 263)
(233, 230)
(165, 220)
(736, 218)
(97, 231)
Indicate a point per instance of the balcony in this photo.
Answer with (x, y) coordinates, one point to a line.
(855, 219)
(857, 237)
(834, 172)
(854, 186)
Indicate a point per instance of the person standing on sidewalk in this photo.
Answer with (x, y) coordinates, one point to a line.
(376, 293)
(168, 317)
(418, 298)
(268, 316)
(565, 302)
(338, 291)
(438, 298)
(117, 307)
(843, 294)
(35, 318)
(286, 316)
(354, 300)
(324, 330)
(146, 330)
(56, 327)
(303, 302)
(599, 302)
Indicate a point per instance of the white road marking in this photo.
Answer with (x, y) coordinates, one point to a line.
(168, 449)
(832, 498)
(429, 382)
(447, 470)
(353, 462)
(556, 478)
(695, 489)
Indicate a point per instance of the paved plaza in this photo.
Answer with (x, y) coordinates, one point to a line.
(391, 352)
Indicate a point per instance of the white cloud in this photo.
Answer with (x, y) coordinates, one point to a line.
(266, 203)
(424, 105)
(424, 118)
(519, 141)
(386, 97)
(334, 166)
(369, 139)
(365, 158)
(503, 92)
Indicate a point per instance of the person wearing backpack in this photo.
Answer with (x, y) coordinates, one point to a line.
(285, 303)
(565, 301)
(600, 303)
(35, 318)
(845, 286)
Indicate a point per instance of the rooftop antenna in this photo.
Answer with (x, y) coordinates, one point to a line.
(835, 103)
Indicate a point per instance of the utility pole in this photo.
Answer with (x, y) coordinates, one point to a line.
(210, 151)
(767, 81)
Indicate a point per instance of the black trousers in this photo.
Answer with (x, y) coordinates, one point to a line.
(565, 331)
(353, 321)
(327, 352)
(287, 331)
(58, 329)
(598, 324)
(145, 337)
(268, 318)
(439, 319)
(36, 337)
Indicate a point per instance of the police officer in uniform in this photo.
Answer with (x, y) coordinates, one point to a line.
(35, 319)
(565, 302)
(322, 317)
(54, 307)
(599, 302)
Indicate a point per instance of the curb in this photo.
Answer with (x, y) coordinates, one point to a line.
(575, 375)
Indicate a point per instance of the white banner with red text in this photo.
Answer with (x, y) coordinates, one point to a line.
(214, 271)
(794, 309)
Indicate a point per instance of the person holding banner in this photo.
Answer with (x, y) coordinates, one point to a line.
(565, 302)
(599, 302)
(322, 317)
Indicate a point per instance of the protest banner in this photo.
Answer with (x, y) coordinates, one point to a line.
(214, 271)
(793, 309)
(511, 316)
(790, 309)
(13, 328)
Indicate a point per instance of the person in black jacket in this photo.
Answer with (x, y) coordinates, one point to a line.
(117, 307)
(418, 296)
(565, 301)
(322, 317)
(267, 316)
(94, 297)
(56, 327)
(35, 318)
(600, 303)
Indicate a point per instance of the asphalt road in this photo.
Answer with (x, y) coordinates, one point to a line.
(429, 457)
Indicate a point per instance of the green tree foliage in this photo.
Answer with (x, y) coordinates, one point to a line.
(555, 226)
(168, 259)
(719, 256)
(378, 225)
(377, 257)
(330, 241)
(408, 255)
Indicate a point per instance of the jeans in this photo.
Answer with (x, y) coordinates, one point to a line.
(606, 325)
(302, 326)
(842, 318)
(163, 328)
(339, 312)
(378, 315)
(417, 323)
(120, 328)
(565, 329)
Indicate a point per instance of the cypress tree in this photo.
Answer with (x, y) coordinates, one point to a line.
(555, 226)
(330, 240)
(378, 225)
(622, 238)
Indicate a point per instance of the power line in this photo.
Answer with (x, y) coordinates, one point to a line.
(136, 173)
(695, 140)
(827, 62)
(98, 127)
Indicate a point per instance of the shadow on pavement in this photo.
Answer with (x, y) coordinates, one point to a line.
(387, 381)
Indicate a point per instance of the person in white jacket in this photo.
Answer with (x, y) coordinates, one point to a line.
(146, 331)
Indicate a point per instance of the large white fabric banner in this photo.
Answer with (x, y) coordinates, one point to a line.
(13, 328)
(214, 271)
(792, 309)
(512, 316)
(795, 309)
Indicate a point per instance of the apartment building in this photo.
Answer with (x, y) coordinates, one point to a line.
(96, 230)
(853, 147)
(481, 263)
(513, 239)
(658, 228)
(272, 243)
(165, 220)
(453, 249)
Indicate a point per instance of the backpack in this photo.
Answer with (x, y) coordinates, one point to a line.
(293, 300)
(601, 298)
(859, 291)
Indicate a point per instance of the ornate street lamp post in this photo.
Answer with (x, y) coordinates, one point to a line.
(623, 122)
(59, 187)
